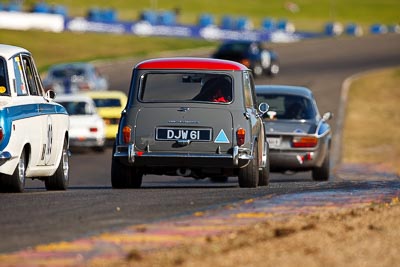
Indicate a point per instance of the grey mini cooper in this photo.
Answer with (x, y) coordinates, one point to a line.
(191, 117)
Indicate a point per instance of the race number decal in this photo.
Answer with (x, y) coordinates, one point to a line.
(49, 140)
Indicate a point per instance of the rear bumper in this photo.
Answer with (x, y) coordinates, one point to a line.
(239, 157)
(88, 142)
(296, 160)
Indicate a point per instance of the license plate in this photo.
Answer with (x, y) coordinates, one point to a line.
(274, 142)
(183, 134)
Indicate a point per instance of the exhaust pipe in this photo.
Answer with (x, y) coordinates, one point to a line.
(183, 172)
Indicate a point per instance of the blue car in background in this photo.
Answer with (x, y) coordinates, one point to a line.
(253, 55)
(74, 77)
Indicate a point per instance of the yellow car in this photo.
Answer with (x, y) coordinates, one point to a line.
(109, 105)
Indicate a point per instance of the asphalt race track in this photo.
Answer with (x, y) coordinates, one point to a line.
(91, 206)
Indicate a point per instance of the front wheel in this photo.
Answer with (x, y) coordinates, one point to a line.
(60, 179)
(15, 182)
(249, 175)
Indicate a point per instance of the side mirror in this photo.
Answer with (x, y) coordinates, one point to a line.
(327, 116)
(50, 95)
(263, 107)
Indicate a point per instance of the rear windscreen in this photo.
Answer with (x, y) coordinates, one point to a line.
(186, 87)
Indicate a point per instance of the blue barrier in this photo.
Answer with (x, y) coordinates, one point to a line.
(394, 28)
(109, 15)
(378, 29)
(268, 24)
(59, 10)
(333, 29)
(281, 24)
(205, 20)
(149, 16)
(13, 7)
(102, 15)
(167, 18)
(243, 23)
(227, 23)
(41, 7)
(353, 29)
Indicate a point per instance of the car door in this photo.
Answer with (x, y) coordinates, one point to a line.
(252, 111)
(42, 146)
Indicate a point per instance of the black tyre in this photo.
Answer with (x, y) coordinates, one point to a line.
(274, 68)
(248, 176)
(258, 70)
(263, 179)
(60, 179)
(322, 173)
(15, 182)
(99, 149)
(123, 176)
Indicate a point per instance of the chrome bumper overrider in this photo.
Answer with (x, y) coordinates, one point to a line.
(130, 152)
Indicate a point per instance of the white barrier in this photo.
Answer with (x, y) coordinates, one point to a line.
(31, 21)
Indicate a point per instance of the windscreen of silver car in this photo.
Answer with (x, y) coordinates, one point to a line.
(288, 107)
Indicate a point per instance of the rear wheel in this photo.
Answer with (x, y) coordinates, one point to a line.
(16, 181)
(123, 176)
(249, 175)
(60, 179)
(322, 173)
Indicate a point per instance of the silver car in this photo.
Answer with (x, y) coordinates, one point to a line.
(299, 137)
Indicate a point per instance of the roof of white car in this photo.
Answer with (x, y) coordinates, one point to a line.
(8, 51)
(73, 97)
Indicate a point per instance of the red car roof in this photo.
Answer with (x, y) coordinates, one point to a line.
(190, 64)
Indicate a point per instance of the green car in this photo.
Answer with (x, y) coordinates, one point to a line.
(191, 117)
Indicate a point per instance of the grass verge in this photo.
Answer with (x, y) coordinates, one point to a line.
(50, 48)
(371, 131)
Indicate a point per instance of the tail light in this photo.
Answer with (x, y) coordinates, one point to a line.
(1, 134)
(304, 141)
(93, 129)
(240, 136)
(245, 62)
(126, 134)
(84, 86)
(107, 121)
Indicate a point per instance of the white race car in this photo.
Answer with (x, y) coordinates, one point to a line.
(34, 138)
(87, 128)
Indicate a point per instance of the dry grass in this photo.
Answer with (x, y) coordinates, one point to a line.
(371, 131)
(356, 237)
